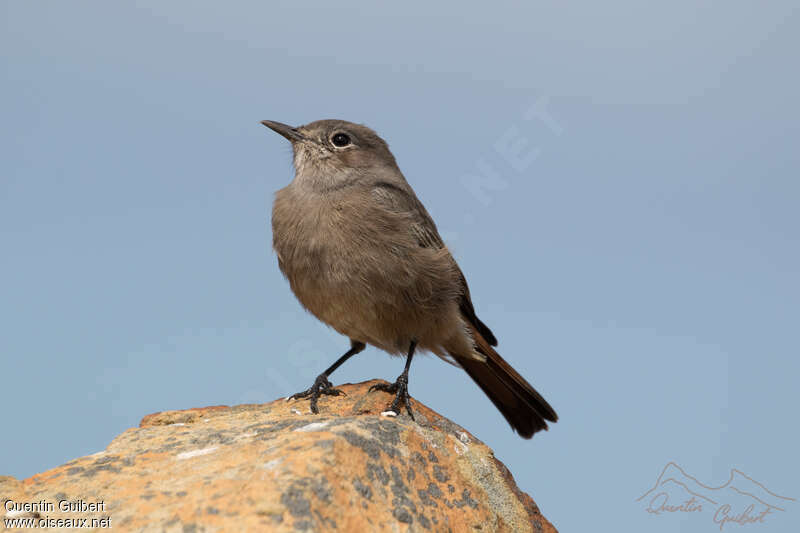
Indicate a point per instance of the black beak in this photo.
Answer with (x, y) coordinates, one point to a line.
(287, 131)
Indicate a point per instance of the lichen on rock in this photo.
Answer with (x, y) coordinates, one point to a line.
(267, 468)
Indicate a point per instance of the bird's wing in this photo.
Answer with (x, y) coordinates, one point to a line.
(400, 198)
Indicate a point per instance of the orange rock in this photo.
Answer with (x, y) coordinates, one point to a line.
(277, 467)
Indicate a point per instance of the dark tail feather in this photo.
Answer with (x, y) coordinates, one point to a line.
(517, 400)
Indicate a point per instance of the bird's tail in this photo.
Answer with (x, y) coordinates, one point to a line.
(517, 400)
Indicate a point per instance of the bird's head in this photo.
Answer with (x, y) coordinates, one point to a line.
(335, 151)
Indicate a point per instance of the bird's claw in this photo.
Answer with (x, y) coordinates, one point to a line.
(400, 389)
(320, 387)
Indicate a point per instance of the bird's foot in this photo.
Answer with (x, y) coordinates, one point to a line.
(321, 386)
(400, 389)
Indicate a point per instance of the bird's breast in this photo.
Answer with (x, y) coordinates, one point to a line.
(358, 267)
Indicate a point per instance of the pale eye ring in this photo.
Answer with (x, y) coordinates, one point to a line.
(340, 139)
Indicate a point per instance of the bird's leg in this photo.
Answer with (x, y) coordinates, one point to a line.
(321, 384)
(399, 387)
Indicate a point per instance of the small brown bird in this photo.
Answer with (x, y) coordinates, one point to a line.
(363, 255)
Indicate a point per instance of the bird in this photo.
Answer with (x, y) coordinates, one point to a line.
(362, 254)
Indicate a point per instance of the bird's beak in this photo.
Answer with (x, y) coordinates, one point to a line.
(287, 131)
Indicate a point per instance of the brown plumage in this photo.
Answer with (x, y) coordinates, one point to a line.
(363, 255)
(515, 398)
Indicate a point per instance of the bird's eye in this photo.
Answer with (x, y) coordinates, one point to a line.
(340, 140)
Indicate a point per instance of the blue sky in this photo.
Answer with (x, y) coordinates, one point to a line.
(618, 181)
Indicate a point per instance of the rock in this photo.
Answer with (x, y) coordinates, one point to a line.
(277, 467)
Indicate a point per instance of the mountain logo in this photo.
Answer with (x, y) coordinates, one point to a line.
(741, 499)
